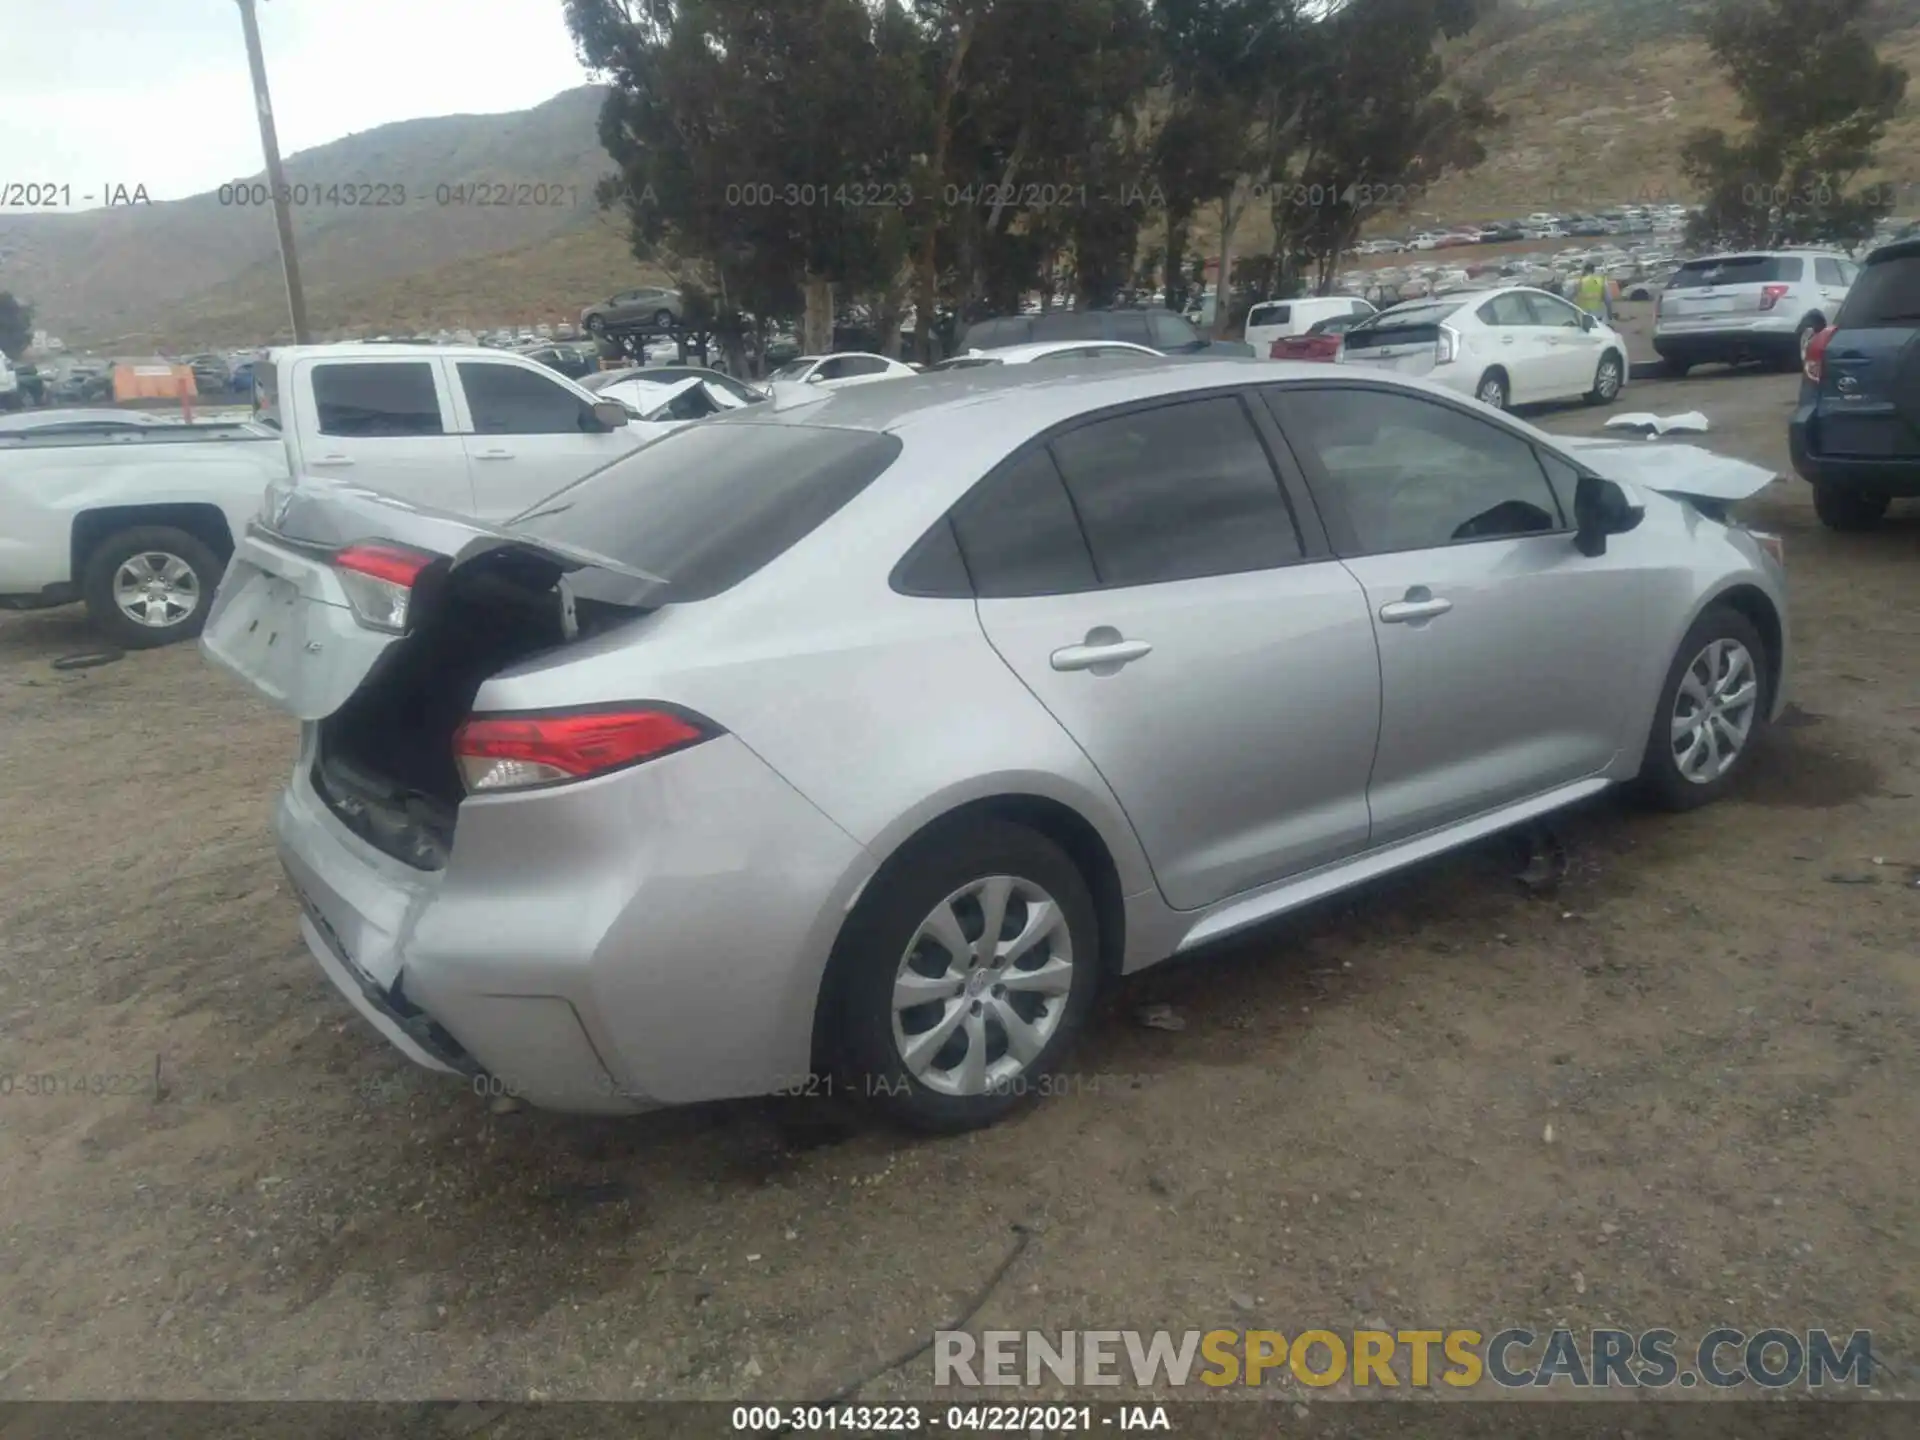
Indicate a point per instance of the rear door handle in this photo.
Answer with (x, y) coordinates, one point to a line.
(1100, 654)
(1401, 612)
(494, 454)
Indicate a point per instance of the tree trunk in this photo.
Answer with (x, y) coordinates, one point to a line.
(1173, 275)
(816, 337)
(937, 179)
(1231, 208)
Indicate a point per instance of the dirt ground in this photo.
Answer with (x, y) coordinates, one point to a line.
(1717, 1015)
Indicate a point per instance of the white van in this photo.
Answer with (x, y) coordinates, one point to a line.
(1273, 320)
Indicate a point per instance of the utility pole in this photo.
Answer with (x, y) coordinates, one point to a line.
(276, 177)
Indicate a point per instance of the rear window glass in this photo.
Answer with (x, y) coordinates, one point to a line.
(991, 334)
(1737, 270)
(1887, 293)
(705, 507)
(1070, 325)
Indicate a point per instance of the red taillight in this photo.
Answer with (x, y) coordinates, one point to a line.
(501, 752)
(378, 577)
(1772, 295)
(1815, 365)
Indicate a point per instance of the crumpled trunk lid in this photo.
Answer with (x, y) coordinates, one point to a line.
(282, 621)
(1685, 470)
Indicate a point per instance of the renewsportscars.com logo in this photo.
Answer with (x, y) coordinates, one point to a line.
(1512, 1359)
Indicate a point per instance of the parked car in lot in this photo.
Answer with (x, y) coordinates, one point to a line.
(1050, 351)
(671, 374)
(139, 521)
(559, 818)
(1855, 434)
(1507, 346)
(11, 397)
(1759, 305)
(1152, 326)
(574, 361)
(1322, 342)
(837, 371)
(649, 307)
(1272, 320)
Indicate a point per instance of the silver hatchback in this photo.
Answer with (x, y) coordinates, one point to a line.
(855, 744)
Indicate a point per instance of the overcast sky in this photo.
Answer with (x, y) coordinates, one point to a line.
(155, 92)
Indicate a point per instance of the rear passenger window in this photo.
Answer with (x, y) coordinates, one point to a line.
(1070, 325)
(1131, 326)
(1413, 474)
(1018, 533)
(1177, 492)
(1170, 332)
(1887, 293)
(376, 400)
(1827, 272)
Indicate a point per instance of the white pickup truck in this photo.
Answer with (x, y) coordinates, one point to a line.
(138, 521)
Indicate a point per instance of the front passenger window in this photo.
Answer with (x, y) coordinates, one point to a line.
(1413, 474)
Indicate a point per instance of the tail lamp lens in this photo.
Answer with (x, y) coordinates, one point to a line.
(1772, 295)
(1815, 365)
(516, 752)
(378, 577)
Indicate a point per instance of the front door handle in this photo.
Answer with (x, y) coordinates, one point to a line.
(1103, 652)
(494, 454)
(1403, 612)
(331, 460)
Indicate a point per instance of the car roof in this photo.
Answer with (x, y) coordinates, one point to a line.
(1015, 354)
(1019, 398)
(372, 349)
(1757, 254)
(1896, 250)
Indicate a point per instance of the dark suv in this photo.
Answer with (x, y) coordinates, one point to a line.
(1856, 431)
(1157, 329)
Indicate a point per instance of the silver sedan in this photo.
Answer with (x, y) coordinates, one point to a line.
(857, 743)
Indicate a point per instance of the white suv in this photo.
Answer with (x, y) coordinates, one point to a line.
(1515, 345)
(1760, 305)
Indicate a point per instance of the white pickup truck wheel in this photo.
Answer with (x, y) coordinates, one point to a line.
(151, 585)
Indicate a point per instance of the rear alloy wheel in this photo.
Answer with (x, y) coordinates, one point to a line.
(964, 977)
(1803, 340)
(1712, 709)
(1492, 390)
(1607, 379)
(150, 586)
(663, 319)
(1841, 507)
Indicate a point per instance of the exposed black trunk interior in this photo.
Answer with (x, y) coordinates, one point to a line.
(385, 762)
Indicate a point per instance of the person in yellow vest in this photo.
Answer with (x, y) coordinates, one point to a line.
(1594, 294)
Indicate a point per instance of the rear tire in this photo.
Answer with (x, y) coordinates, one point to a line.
(1721, 658)
(1843, 508)
(1608, 377)
(152, 571)
(663, 319)
(1493, 390)
(891, 945)
(1802, 338)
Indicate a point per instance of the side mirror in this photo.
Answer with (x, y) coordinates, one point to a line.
(1602, 508)
(609, 414)
(815, 378)
(1587, 322)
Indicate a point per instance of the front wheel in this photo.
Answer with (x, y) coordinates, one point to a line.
(964, 977)
(1841, 507)
(1712, 710)
(151, 585)
(1607, 379)
(596, 325)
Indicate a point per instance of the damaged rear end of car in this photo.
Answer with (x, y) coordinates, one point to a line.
(511, 820)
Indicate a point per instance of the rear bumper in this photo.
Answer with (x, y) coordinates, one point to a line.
(656, 936)
(1898, 476)
(1749, 340)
